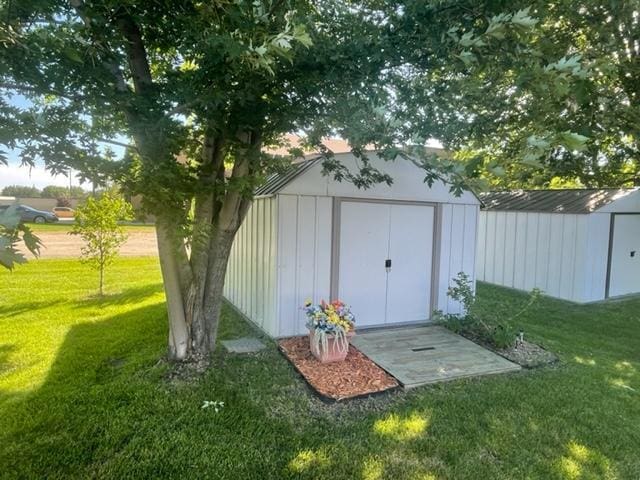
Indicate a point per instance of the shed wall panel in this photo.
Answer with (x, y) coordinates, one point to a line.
(457, 250)
(500, 240)
(304, 257)
(510, 258)
(556, 252)
(490, 251)
(250, 280)
(480, 247)
(546, 251)
(597, 252)
(520, 252)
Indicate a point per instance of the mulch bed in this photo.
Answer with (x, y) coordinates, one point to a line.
(529, 355)
(526, 354)
(356, 377)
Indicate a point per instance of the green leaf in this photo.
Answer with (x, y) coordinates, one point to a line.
(497, 170)
(468, 40)
(9, 256)
(73, 54)
(467, 57)
(301, 35)
(522, 19)
(573, 141)
(538, 142)
(31, 241)
(532, 159)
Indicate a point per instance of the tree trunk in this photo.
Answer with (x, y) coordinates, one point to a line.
(218, 261)
(101, 278)
(179, 342)
(194, 283)
(194, 309)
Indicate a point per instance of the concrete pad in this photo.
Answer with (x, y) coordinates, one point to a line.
(422, 355)
(243, 345)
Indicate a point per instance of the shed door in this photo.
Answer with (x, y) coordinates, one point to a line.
(625, 255)
(410, 251)
(385, 260)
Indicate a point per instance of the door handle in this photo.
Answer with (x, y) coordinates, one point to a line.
(387, 264)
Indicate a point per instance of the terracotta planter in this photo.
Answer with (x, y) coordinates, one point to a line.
(333, 353)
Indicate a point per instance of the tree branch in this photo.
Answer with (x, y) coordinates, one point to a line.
(136, 53)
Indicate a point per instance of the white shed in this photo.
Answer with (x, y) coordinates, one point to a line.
(389, 251)
(580, 245)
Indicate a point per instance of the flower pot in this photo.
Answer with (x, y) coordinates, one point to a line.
(333, 352)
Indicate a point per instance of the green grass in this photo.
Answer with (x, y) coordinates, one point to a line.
(83, 395)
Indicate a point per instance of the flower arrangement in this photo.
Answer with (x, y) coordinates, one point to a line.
(330, 326)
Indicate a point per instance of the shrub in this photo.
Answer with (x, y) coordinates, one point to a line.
(499, 333)
(63, 202)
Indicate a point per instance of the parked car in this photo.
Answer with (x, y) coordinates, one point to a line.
(28, 214)
(64, 212)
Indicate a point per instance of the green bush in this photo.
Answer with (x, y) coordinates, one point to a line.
(500, 333)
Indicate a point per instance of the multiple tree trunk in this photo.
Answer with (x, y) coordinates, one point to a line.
(194, 275)
(193, 269)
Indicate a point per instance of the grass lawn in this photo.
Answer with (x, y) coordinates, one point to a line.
(83, 395)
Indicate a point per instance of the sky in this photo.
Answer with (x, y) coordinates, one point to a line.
(38, 177)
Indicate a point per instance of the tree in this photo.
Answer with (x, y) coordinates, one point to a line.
(12, 232)
(20, 191)
(56, 191)
(563, 109)
(200, 88)
(63, 202)
(97, 223)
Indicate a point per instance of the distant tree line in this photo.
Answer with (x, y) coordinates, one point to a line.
(50, 191)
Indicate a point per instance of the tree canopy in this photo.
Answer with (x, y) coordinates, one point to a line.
(21, 191)
(567, 110)
(196, 90)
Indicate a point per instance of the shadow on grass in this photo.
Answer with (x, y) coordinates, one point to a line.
(15, 309)
(68, 417)
(5, 350)
(106, 409)
(105, 412)
(124, 297)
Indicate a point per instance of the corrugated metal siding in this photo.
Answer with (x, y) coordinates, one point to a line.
(304, 257)
(596, 256)
(251, 273)
(553, 201)
(457, 250)
(563, 255)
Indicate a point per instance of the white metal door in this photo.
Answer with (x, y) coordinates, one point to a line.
(372, 236)
(411, 253)
(364, 243)
(625, 256)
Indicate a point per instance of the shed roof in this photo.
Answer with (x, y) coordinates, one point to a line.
(278, 181)
(554, 201)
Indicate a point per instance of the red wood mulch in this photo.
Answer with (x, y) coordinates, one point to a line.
(355, 377)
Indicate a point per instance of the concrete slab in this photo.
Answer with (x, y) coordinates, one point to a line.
(243, 345)
(422, 355)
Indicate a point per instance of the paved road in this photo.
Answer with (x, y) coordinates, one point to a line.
(59, 244)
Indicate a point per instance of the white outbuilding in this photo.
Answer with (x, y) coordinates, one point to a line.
(580, 245)
(389, 252)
